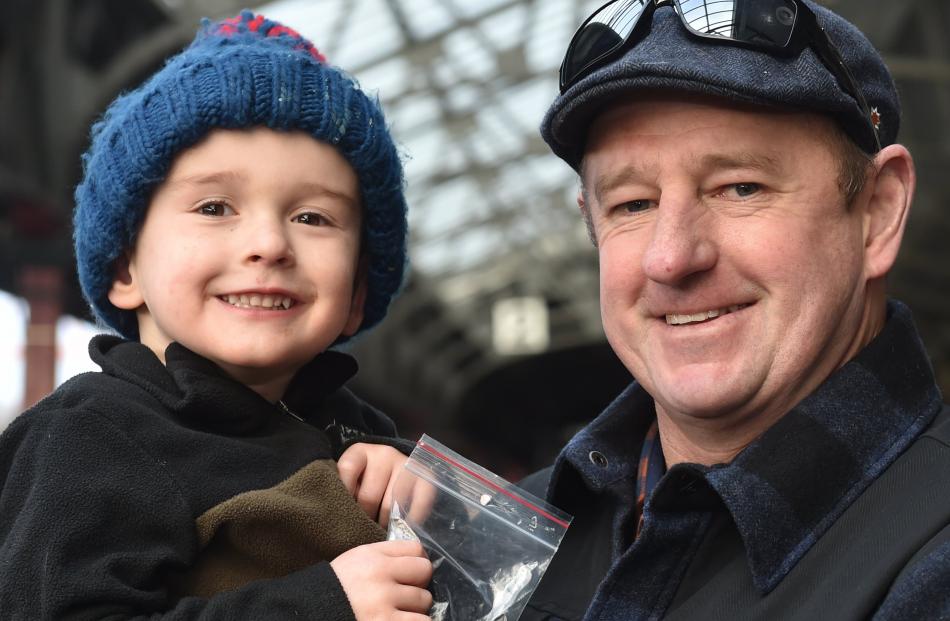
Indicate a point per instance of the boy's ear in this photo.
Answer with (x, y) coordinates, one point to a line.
(124, 292)
(357, 304)
(888, 205)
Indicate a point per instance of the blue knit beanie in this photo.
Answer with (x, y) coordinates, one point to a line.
(243, 72)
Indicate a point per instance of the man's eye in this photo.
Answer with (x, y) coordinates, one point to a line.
(636, 206)
(215, 208)
(746, 189)
(313, 219)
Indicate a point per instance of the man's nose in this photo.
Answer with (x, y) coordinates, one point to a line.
(682, 241)
(267, 241)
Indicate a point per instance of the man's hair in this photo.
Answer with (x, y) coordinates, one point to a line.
(854, 165)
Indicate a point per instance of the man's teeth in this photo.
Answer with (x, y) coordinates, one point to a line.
(256, 300)
(675, 320)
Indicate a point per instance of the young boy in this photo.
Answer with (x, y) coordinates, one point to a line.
(240, 213)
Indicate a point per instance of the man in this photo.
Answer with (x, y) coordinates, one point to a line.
(783, 452)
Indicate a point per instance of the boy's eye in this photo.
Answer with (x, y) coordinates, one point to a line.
(313, 219)
(215, 208)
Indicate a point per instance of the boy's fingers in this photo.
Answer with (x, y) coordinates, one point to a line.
(401, 547)
(401, 615)
(411, 599)
(412, 571)
(370, 494)
(423, 498)
(386, 506)
(350, 466)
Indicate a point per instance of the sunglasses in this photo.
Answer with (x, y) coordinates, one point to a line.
(777, 27)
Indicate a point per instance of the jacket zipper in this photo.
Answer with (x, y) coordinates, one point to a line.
(287, 410)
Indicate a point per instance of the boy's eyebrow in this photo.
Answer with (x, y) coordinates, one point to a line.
(310, 188)
(209, 178)
(306, 187)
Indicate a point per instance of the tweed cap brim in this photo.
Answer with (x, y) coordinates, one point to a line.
(669, 58)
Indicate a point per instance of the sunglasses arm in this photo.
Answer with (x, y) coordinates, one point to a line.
(826, 51)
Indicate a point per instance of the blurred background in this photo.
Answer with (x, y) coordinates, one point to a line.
(495, 347)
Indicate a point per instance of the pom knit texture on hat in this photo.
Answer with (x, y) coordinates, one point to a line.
(239, 73)
(669, 58)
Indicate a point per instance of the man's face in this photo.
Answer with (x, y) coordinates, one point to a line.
(732, 273)
(248, 255)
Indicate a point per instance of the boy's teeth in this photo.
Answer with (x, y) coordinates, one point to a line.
(676, 320)
(256, 300)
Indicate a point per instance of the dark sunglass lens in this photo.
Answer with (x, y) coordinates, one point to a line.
(767, 23)
(603, 32)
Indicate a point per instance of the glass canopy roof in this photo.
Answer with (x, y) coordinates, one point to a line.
(464, 85)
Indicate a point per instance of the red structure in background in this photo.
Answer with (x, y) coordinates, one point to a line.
(36, 247)
(42, 287)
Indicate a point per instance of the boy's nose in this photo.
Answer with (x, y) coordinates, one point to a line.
(268, 243)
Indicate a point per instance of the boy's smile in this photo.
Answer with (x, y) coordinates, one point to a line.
(249, 255)
(259, 299)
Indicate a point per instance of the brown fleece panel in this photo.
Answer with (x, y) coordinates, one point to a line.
(309, 517)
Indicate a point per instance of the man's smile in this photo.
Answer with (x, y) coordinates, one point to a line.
(676, 319)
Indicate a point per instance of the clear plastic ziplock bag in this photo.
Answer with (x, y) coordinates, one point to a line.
(489, 541)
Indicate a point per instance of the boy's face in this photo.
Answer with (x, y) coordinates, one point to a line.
(249, 255)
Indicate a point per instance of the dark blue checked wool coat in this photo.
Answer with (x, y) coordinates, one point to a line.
(839, 511)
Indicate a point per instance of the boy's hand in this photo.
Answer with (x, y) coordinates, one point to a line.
(386, 581)
(368, 471)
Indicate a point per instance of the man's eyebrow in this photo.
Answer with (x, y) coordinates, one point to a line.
(631, 173)
(616, 178)
(743, 159)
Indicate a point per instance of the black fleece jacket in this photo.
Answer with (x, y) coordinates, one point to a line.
(173, 492)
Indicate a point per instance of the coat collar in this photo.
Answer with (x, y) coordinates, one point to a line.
(203, 395)
(786, 488)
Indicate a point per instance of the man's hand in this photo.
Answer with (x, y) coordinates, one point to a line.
(386, 581)
(369, 471)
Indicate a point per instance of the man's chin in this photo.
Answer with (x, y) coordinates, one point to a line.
(704, 397)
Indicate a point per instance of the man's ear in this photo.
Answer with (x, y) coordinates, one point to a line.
(888, 200)
(357, 304)
(124, 292)
(585, 213)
